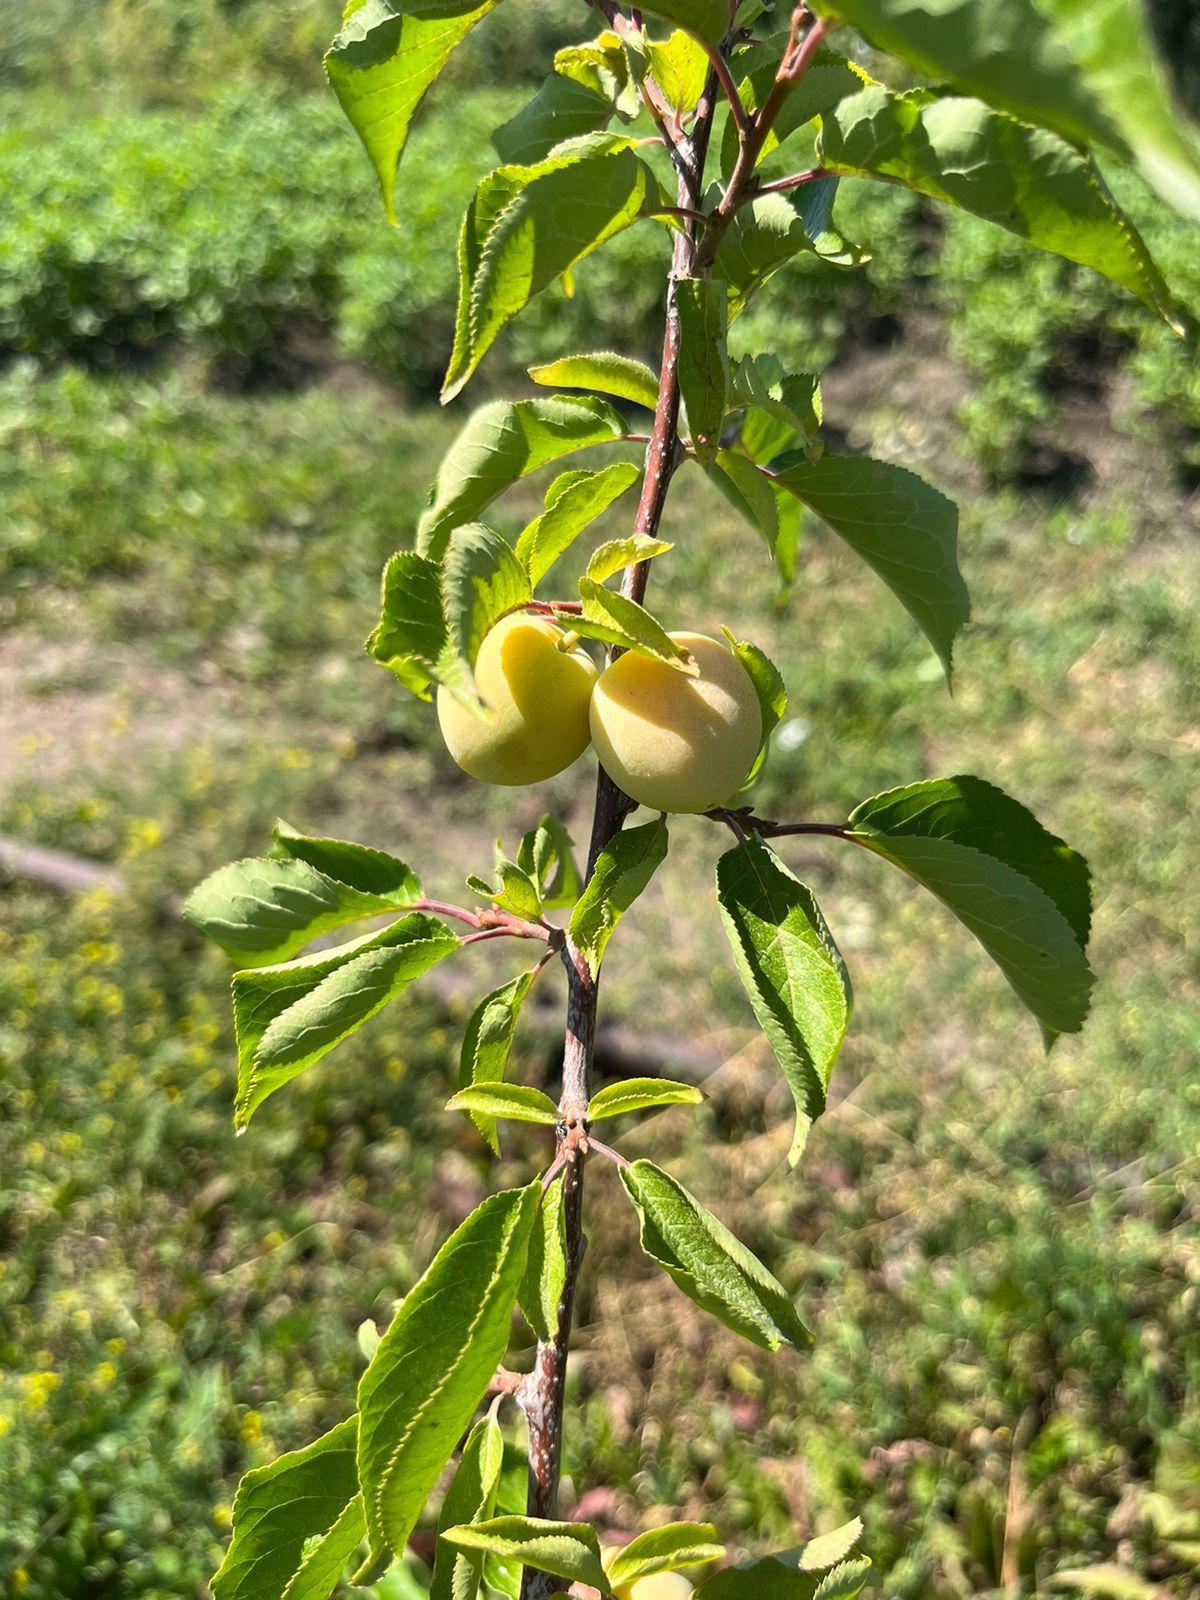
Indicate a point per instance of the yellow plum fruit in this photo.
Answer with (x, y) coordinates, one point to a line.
(537, 693)
(658, 1586)
(672, 742)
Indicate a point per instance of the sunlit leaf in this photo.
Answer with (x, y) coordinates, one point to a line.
(623, 869)
(435, 1362)
(709, 1264)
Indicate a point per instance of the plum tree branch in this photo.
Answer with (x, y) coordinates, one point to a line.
(543, 1392)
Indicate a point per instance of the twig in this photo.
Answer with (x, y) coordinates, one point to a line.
(780, 185)
(744, 821)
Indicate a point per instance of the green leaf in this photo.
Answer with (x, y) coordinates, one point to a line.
(516, 1102)
(411, 631)
(771, 1579)
(288, 1016)
(617, 620)
(816, 1571)
(569, 1550)
(518, 891)
(263, 910)
(487, 1043)
(768, 686)
(324, 1563)
(545, 1266)
(573, 502)
(749, 493)
(616, 554)
(640, 1094)
(435, 1361)
(829, 78)
(1027, 180)
(703, 307)
(545, 854)
(706, 19)
(679, 68)
(711, 1267)
(902, 528)
(279, 1508)
(471, 1497)
(603, 66)
(623, 869)
(792, 399)
(501, 443)
(672, 1548)
(482, 580)
(357, 866)
(771, 230)
(528, 225)
(1023, 893)
(382, 62)
(791, 970)
(606, 373)
(561, 109)
(1088, 71)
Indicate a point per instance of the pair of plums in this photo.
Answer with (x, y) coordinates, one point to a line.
(670, 741)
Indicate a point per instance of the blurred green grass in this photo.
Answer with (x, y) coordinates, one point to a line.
(198, 484)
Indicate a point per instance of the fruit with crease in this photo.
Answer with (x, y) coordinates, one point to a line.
(655, 1586)
(674, 742)
(536, 689)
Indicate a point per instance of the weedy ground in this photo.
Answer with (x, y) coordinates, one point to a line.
(998, 1250)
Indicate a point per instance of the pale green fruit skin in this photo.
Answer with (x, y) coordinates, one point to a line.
(658, 1586)
(538, 697)
(676, 743)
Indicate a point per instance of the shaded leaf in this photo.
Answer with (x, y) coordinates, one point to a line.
(573, 502)
(901, 526)
(561, 109)
(278, 1508)
(471, 1497)
(381, 64)
(569, 1550)
(1027, 180)
(487, 1042)
(501, 443)
(545, 854)
(816, 1571)
(749, 493)
(286, 1017)
(771, 230)
(707, 19)
(623, 869)
(703, 307)
(435, 1362)
(527, 225)
(768, 686)
(606, 373)
(640, 1094)
(791, 969)
(1023, 893)
(708, 1263)
(791, 399)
